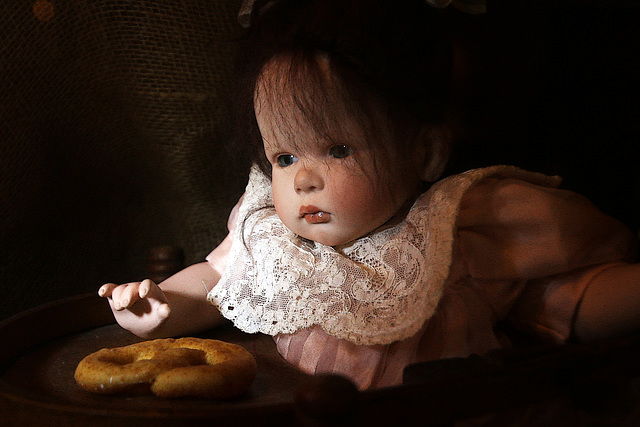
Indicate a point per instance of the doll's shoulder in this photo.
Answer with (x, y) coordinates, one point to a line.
(502, 200)
(512, 227)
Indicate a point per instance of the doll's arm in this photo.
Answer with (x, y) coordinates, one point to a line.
(178, 306)
(610, 306)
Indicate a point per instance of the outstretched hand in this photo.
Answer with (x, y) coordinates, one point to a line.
(140, 307)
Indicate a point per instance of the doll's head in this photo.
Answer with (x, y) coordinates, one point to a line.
(346, 110)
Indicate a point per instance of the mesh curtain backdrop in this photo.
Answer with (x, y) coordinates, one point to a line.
(112, 139)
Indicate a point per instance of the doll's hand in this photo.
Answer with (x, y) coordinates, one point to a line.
(140, 307)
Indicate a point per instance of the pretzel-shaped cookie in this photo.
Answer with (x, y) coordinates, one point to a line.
(170, 368)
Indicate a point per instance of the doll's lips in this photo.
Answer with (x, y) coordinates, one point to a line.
(314, 215)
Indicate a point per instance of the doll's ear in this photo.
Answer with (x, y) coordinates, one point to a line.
(432, 151)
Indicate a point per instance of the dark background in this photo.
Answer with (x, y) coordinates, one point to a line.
(113, 125)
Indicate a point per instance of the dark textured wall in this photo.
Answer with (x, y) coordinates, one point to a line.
(113, 134)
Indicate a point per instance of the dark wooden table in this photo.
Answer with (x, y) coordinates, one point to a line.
(41, 348)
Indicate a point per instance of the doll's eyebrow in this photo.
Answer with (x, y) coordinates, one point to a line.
(270, 145)
(274, 150)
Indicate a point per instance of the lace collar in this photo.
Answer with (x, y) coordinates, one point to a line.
(377, 290)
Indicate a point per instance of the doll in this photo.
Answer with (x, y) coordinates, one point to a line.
(348, 247)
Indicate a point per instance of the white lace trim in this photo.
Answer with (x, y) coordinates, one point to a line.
(376, 290)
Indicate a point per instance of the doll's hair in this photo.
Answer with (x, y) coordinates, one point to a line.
(388, 58)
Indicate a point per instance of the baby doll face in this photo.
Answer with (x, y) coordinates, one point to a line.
(329, 190)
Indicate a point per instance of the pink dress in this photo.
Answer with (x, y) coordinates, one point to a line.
(521, 252)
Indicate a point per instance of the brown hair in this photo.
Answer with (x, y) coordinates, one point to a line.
(390, 58)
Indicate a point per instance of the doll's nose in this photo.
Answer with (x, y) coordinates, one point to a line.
(308, 180)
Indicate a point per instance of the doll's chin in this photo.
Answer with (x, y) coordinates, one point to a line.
(329, 240)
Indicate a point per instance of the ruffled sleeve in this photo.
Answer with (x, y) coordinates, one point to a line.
(555, 241)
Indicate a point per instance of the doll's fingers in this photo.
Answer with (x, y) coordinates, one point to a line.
(116, 298)
(145, 287)
(129, 294)
(121, 296)
(106, 290)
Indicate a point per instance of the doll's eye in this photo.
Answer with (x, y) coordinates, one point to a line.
(340, 151)
(285, 160)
